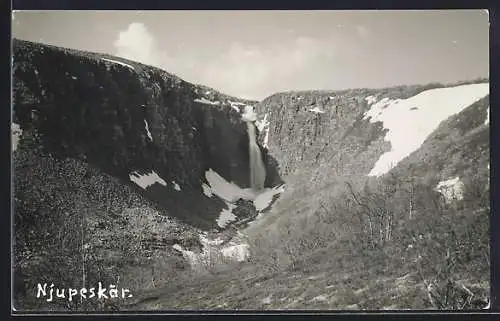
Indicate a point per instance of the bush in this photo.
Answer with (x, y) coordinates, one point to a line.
(76, 226)
(390, 226)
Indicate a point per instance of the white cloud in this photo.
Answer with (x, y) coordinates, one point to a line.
(138, 44)
(254, 70)
(243, 70)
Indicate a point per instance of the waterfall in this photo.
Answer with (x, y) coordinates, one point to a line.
(257, 168)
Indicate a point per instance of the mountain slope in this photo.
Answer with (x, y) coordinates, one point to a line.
(342, 238)
(135, 122)
(117, 163)
(75, 225)
(385, 203)
(341, 128)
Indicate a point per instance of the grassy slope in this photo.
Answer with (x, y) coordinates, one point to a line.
(76, 225)
(318, 251)
(314, 249)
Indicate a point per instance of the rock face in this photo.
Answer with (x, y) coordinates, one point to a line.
(301, 137)
(134, 122)
(327, 134)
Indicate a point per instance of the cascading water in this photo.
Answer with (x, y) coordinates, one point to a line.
(237, 249)
(257, 168)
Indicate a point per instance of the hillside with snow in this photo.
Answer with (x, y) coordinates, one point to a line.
(159, 134)
(410, 121)
(371, 198)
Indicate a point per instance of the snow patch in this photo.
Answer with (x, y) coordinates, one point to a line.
(207, 190)
(146, 180)
(213, 251)
(235, 105)
(263, 126)
(74, 77)
(487, 121)
(229, 192)
(317, 110)
(193, 258)
(176, 186)
(382, 104)
(265, 198)
(226, 216)
(266, 139)
(452, 189)
(206, 241)
(408, 129)
(203, 100)
(147, 130)
(16, 132)
(371, 100)
(119, 62)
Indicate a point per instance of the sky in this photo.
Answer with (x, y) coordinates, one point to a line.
(254, 54)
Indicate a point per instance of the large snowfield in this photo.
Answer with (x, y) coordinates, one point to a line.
(410, 121)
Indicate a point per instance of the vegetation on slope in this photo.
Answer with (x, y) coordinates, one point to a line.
(336, 239)
(362, 248)
(358, 242)
(76, 226)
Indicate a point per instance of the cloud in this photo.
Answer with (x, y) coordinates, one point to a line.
(244, 70)
(136, 43)
(255, 71)
(362, 31)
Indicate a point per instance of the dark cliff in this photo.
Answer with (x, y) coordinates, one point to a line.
(127, 118)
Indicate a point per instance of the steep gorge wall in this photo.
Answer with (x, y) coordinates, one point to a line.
(322, 130)
(321, 136)
(128, 119)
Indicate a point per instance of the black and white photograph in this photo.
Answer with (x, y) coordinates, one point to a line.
(249, 160)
